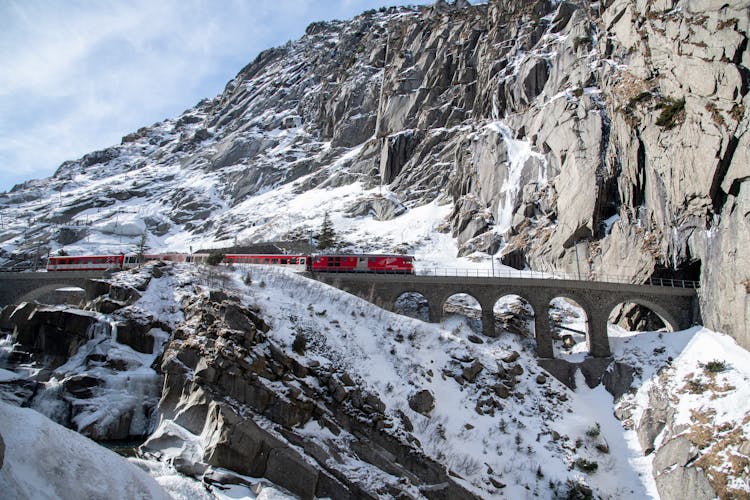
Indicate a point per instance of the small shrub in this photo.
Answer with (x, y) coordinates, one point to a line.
(594, 431)
(671, 111)
(578, 491)
(247, 279)
(737, 112)
(262, 284)
(715, 366)
(694, 386)
(635, 100)
(715, 114)
(214, 258)
(578, 91)
(299, 344)
(586, 465)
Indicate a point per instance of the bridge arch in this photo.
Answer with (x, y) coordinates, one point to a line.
(515, 314)
(464, 304)
(48, 291)
(677, 306)
(569, 323)
(413, 304)
(667, 318)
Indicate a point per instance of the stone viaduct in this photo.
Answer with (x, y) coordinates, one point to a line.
(677, 306)
(27, 287)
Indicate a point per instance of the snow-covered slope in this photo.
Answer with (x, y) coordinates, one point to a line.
(44, 460)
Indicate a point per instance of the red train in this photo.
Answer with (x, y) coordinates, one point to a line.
(400, 264)
(328, 263)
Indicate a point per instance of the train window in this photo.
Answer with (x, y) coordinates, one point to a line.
(256, 261)
(302, 261)
(274, 261)
(283, 261)
(361, 259)
(266, 261)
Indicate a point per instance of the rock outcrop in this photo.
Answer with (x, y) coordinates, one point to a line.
(90, 372)
(224, 379)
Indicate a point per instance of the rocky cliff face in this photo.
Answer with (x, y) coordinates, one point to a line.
(609, 134)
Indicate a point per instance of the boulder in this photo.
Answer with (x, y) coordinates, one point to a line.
(82, 386)
(422, 402)
(684, 482)
(618, 378)
(675, 452)
(378, 207)
(135, 334)
(470, 372)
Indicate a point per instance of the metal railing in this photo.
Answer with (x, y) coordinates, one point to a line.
(21, 268)
(507, 273)
(459, 272)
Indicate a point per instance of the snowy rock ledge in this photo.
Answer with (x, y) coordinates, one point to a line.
(43, 460)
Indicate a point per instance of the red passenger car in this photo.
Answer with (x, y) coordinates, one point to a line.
(298, 262)
(85, 263)
(396, 264)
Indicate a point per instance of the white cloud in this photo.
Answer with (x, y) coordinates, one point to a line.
(77, 75)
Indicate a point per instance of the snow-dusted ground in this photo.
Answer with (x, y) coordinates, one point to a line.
(707, 376)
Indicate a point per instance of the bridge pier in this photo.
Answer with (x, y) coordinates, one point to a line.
(488, 322)
(543, 332)
(597, 339)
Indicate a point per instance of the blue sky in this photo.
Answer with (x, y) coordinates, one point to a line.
(77, 75)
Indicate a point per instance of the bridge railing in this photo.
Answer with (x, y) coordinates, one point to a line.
(508, 273)
(21, 268)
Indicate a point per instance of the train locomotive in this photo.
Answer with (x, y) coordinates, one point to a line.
(324, 263)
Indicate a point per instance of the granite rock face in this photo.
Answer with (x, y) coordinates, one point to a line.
(226, 381)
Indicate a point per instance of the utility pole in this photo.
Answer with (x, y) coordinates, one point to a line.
(36, 257)
(578, 266)
(310, 252)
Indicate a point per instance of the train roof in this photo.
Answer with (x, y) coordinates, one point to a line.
(264, 255)
(84, 256)
(362, 255)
